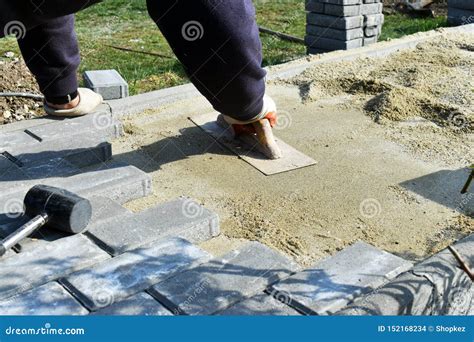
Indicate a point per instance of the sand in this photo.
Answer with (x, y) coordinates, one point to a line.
(391, 165)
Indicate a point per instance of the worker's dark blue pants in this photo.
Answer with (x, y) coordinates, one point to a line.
(217, 41)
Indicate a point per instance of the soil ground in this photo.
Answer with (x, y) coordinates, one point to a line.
(392, 137)
(15, 77)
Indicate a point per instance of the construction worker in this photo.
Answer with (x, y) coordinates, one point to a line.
(217, 42)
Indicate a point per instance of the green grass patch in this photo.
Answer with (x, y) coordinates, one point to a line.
(399, 25)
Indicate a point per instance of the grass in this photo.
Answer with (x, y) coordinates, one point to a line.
(125, 23)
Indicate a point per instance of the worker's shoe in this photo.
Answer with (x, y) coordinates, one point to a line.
(88, 102)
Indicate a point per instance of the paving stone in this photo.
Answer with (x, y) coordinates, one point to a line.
(117, 181)
(325, 32)
(87, 151)
(460, 16)
(340, 23)
(334, 282)
(46, 263)
(370, 9)
(103, 211)
(13, 139)
(332, 44)
(343, 10)
(374, 20)
(108, 83)
(47, 300)
(100, 124)
(462, 4)
(313, 6)
(336, 2)
(181, 218)
(141, 304)
(314, 51)
(220, 283)
(132, 272)
(260, 305)
(370, 40)
(372, 31)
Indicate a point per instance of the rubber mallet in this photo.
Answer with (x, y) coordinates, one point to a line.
(52, 207)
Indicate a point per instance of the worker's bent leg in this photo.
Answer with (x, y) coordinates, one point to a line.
(218, 43)
(51, 52)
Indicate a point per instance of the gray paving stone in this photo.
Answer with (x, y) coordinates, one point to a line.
(99, 124)
(260, 305)
(340, 23)
(46, 263)
(11, 140)
(141, 304)
(370, 9)
(314, 51)
(374, 20)
(462, 4)
(132, 272)
(370, 40)
(326, 32)
(47, 300)
(218, 284)
(181, 218)
(337, 2)
(334, 282)
(103, 211)
(117, 181)
(372, 31)
(343, 10)
(108, 83)
(332, 44)
(316, 7)
(460, 16)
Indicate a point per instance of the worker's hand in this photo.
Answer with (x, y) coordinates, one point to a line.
(260, 127)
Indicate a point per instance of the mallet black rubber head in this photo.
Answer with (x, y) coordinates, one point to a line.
(66, 211)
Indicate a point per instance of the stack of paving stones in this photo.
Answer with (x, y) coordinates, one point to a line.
(150, 262)
(460, 12)
(342, 24)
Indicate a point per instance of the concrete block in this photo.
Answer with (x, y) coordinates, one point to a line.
(458, 16)
(336, 2)
(332, 44)
(372, 31)
(220, 283)
(340, 23)
(370, 40)
(181, 218)
(132, 272)
(100, 124)
(260, 305)
(47, 300)
(108, 83)
(314, 51)
(10, 140)
(370, 9)
(373, 20)
(325, 32)
(46, 263)
(141, 304)
(316, 7)
(461, 4)
(342, 10)
(117, 181)
(336, 281)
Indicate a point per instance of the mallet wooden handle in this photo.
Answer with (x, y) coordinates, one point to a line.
(24, 231)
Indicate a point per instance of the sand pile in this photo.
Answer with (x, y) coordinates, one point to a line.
(433, 81)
